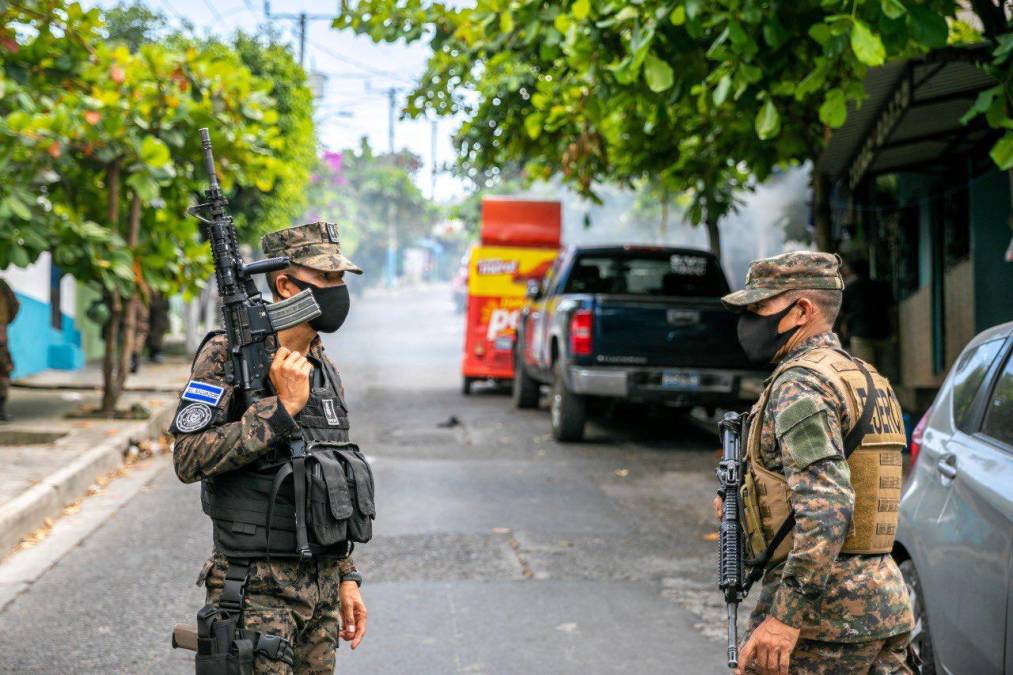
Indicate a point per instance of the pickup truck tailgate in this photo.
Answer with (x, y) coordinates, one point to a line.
(680, 332)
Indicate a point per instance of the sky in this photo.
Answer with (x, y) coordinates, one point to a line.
(358, 74)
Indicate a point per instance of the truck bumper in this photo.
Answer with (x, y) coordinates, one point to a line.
(679, 386)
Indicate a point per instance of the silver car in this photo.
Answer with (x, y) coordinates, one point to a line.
(955, 535)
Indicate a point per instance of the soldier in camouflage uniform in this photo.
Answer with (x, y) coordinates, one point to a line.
(8, 310)
(303, 601)
(819, 611)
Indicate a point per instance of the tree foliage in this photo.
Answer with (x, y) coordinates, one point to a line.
(100, 155)
(372, 197)
(687, 95)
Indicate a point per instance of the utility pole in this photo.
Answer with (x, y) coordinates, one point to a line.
(434, 126)
(392, 109)
(302, 18)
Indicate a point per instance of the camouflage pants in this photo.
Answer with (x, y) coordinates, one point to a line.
(876, 657)
(300, 603)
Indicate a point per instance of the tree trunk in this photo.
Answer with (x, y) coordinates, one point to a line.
(821, 211)
(133, 305)
(110, 389)
(663, 225)
(714, 235)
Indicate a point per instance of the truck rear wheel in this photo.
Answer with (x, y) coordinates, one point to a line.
(525, 389)
(466, 386)
(569, 411)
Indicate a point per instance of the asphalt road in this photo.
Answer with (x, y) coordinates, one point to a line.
(496, 550)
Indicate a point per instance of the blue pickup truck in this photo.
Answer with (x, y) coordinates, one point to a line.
(644, 324)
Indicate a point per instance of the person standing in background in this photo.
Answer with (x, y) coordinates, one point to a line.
(867, 317)
(158, 325)
(9, 306)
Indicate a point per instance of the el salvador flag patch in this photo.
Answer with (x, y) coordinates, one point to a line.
(202, 392)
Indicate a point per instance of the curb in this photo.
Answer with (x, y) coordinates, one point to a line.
(29, 510)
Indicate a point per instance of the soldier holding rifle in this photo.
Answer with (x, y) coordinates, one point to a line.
(264, 426)
(820, 484)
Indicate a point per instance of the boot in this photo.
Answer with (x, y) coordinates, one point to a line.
(155, 355)
(135, 364)
(4, 417)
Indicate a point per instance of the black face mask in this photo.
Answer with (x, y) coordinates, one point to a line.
(334, 303)
(759, 337)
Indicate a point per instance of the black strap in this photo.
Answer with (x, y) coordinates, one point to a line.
(851, 442)
(236, 576)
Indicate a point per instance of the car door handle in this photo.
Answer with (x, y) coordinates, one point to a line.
(947, 466)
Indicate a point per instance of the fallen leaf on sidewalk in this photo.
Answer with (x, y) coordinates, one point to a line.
(711, 536)
(35, 537)
(622, 473)
(71, 509)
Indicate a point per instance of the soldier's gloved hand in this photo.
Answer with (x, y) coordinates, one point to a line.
(353, 613)
(290, 375)
(769, 648)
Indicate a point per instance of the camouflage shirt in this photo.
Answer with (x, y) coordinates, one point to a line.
(831, 597)
(234, 437)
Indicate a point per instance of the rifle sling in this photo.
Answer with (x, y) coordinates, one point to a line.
(851, 443)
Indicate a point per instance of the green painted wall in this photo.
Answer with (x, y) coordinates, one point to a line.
(990, 237)
(91, 334)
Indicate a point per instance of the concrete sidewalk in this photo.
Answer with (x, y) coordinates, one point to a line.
(50, 460)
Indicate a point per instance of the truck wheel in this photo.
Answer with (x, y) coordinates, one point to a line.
(921, 640)
(466, 386)
(525, 388)
(569, 411)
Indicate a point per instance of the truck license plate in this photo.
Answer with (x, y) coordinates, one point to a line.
(680, 379)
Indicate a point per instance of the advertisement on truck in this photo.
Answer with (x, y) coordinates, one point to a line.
(520, 241)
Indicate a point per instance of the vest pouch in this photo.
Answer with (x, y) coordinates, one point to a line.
(752, 524)
(347, 481)
(330, 503)
(360, 480)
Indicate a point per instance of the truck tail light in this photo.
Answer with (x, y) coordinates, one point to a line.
(581, 324)
(916, 436)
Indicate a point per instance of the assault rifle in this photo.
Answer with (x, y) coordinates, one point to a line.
(732, 580)
(251, 324)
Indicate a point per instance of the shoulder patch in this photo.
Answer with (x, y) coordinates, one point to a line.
(193, 417)
(794, 413)
(202, 392)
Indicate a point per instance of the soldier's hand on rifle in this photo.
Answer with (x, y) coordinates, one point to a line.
(719, 507)
(769, 648)
(290, 375)
(353, 613)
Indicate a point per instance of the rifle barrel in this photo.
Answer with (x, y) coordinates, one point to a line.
(209, 159)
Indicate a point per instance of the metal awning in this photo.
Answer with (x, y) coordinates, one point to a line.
(911, 117)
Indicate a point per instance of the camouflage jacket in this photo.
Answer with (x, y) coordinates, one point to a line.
(831, 597)
(233, 437)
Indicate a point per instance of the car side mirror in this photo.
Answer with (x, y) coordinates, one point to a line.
(534, 289)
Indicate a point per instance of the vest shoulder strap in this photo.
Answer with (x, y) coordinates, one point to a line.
(207, 338)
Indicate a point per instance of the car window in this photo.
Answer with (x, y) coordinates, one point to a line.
(659, 273)
(999, 415)
(967, 377)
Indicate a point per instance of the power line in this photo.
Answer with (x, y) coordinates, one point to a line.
(214, 12)
(359, 64)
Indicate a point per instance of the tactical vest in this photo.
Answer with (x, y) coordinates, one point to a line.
(875, 463)
(339, 489)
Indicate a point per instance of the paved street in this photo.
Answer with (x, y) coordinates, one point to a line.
(496, 549)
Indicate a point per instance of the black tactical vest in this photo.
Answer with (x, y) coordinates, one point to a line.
(339, 488)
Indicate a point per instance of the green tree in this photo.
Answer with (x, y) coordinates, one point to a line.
(684, 95)
(122, 157)
(374, 198)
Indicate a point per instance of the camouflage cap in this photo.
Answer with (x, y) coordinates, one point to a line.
(798, 270)
(314, 245)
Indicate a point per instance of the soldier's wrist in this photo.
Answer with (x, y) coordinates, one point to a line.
(352, 577)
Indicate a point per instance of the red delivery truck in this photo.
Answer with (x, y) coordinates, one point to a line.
(519, 241)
